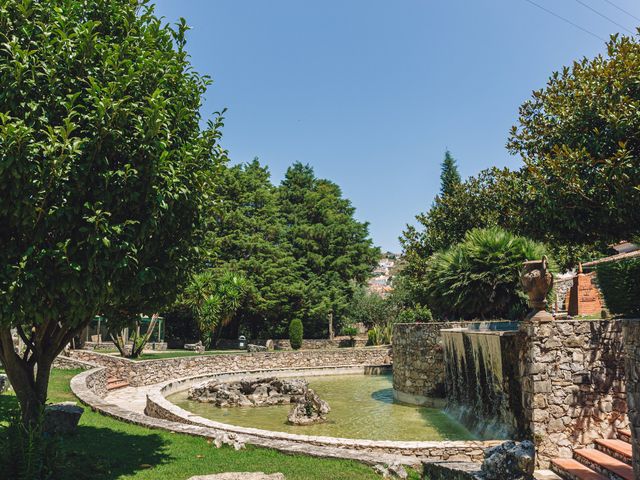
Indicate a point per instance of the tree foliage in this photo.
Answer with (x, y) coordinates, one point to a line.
(369, 309)
(332, 251)
(620, 285)
(103, 172)
(449, 175)
(579, 138)
(480, 277)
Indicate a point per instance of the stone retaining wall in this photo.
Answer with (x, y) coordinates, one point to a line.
(147, 372)
(67, 363)
(573, 382)
(307, 343)
(418, 367)
(632, 367)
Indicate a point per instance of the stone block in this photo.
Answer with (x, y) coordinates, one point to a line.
(62, 418)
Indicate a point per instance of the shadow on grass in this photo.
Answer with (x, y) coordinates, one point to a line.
(101, 453)
(98, 453)
(8, 407)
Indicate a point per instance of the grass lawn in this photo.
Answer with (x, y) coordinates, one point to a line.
(184, 353)
(107, 449)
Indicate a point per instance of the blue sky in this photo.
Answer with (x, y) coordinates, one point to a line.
(371, 92)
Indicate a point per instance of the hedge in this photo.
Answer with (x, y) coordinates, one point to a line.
(620, 286)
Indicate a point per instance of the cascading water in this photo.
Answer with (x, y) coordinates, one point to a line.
(482, 381)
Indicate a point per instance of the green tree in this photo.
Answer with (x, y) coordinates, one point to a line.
(449, 175)
(368, 308)
(103, 172)
(332, 251)
(579, 138)
(246, 234)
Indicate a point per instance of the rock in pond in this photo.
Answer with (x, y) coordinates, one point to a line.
(250, 392)
(309, 409)
(62, 418)
(509, 461)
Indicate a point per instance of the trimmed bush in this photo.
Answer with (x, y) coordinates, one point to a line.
(295, 333)
(480, 277)
(620, 286)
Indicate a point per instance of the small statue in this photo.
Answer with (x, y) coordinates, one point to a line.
(537, 281)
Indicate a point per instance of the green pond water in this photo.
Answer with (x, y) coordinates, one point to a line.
(362, 406)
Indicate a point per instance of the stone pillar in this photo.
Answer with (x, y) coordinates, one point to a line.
(632, 368)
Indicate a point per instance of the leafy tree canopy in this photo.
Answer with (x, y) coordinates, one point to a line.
(331, 249)
(104, 170)
(580, 140)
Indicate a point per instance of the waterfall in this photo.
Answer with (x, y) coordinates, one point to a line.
(482, 381)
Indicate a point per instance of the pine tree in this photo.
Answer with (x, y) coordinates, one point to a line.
(449, 175)
(332, 250)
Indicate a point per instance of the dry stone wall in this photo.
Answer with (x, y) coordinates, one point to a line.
(418, 367)
(147, 372)
(573, 384)
(632, 367)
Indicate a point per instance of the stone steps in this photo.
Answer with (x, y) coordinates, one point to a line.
(617, 449)
(571, 469)
(624, 435)
(610, 460)
(114, 383)
(604, 464)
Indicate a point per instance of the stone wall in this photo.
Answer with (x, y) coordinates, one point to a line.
(146, 372)
(632, 367)
(418, 367)
(573, 384)
(307, 344)
(63, 362)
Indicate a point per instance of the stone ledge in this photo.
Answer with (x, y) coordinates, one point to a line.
(369, 452)
(159, 406)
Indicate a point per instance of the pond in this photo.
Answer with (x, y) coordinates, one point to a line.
(362, 406)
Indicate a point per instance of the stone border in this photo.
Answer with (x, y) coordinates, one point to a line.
(90, 388)
(159, 407)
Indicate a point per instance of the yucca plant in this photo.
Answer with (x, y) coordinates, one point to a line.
(480, 277)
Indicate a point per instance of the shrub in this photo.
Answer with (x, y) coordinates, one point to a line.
(380, 334)
(295, 333)
(349, 331)
(480, 277)
(417, 313)
(620, 286)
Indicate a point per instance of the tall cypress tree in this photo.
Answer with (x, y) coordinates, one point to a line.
(449, 175)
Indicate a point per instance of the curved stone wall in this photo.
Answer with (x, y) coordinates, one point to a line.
(90, 388)
(148, 372)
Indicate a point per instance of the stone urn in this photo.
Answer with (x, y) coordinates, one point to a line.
(537, 281)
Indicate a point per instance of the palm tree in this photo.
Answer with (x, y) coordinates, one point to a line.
(215, 300)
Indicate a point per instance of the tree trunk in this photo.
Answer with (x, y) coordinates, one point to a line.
(30, 371)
